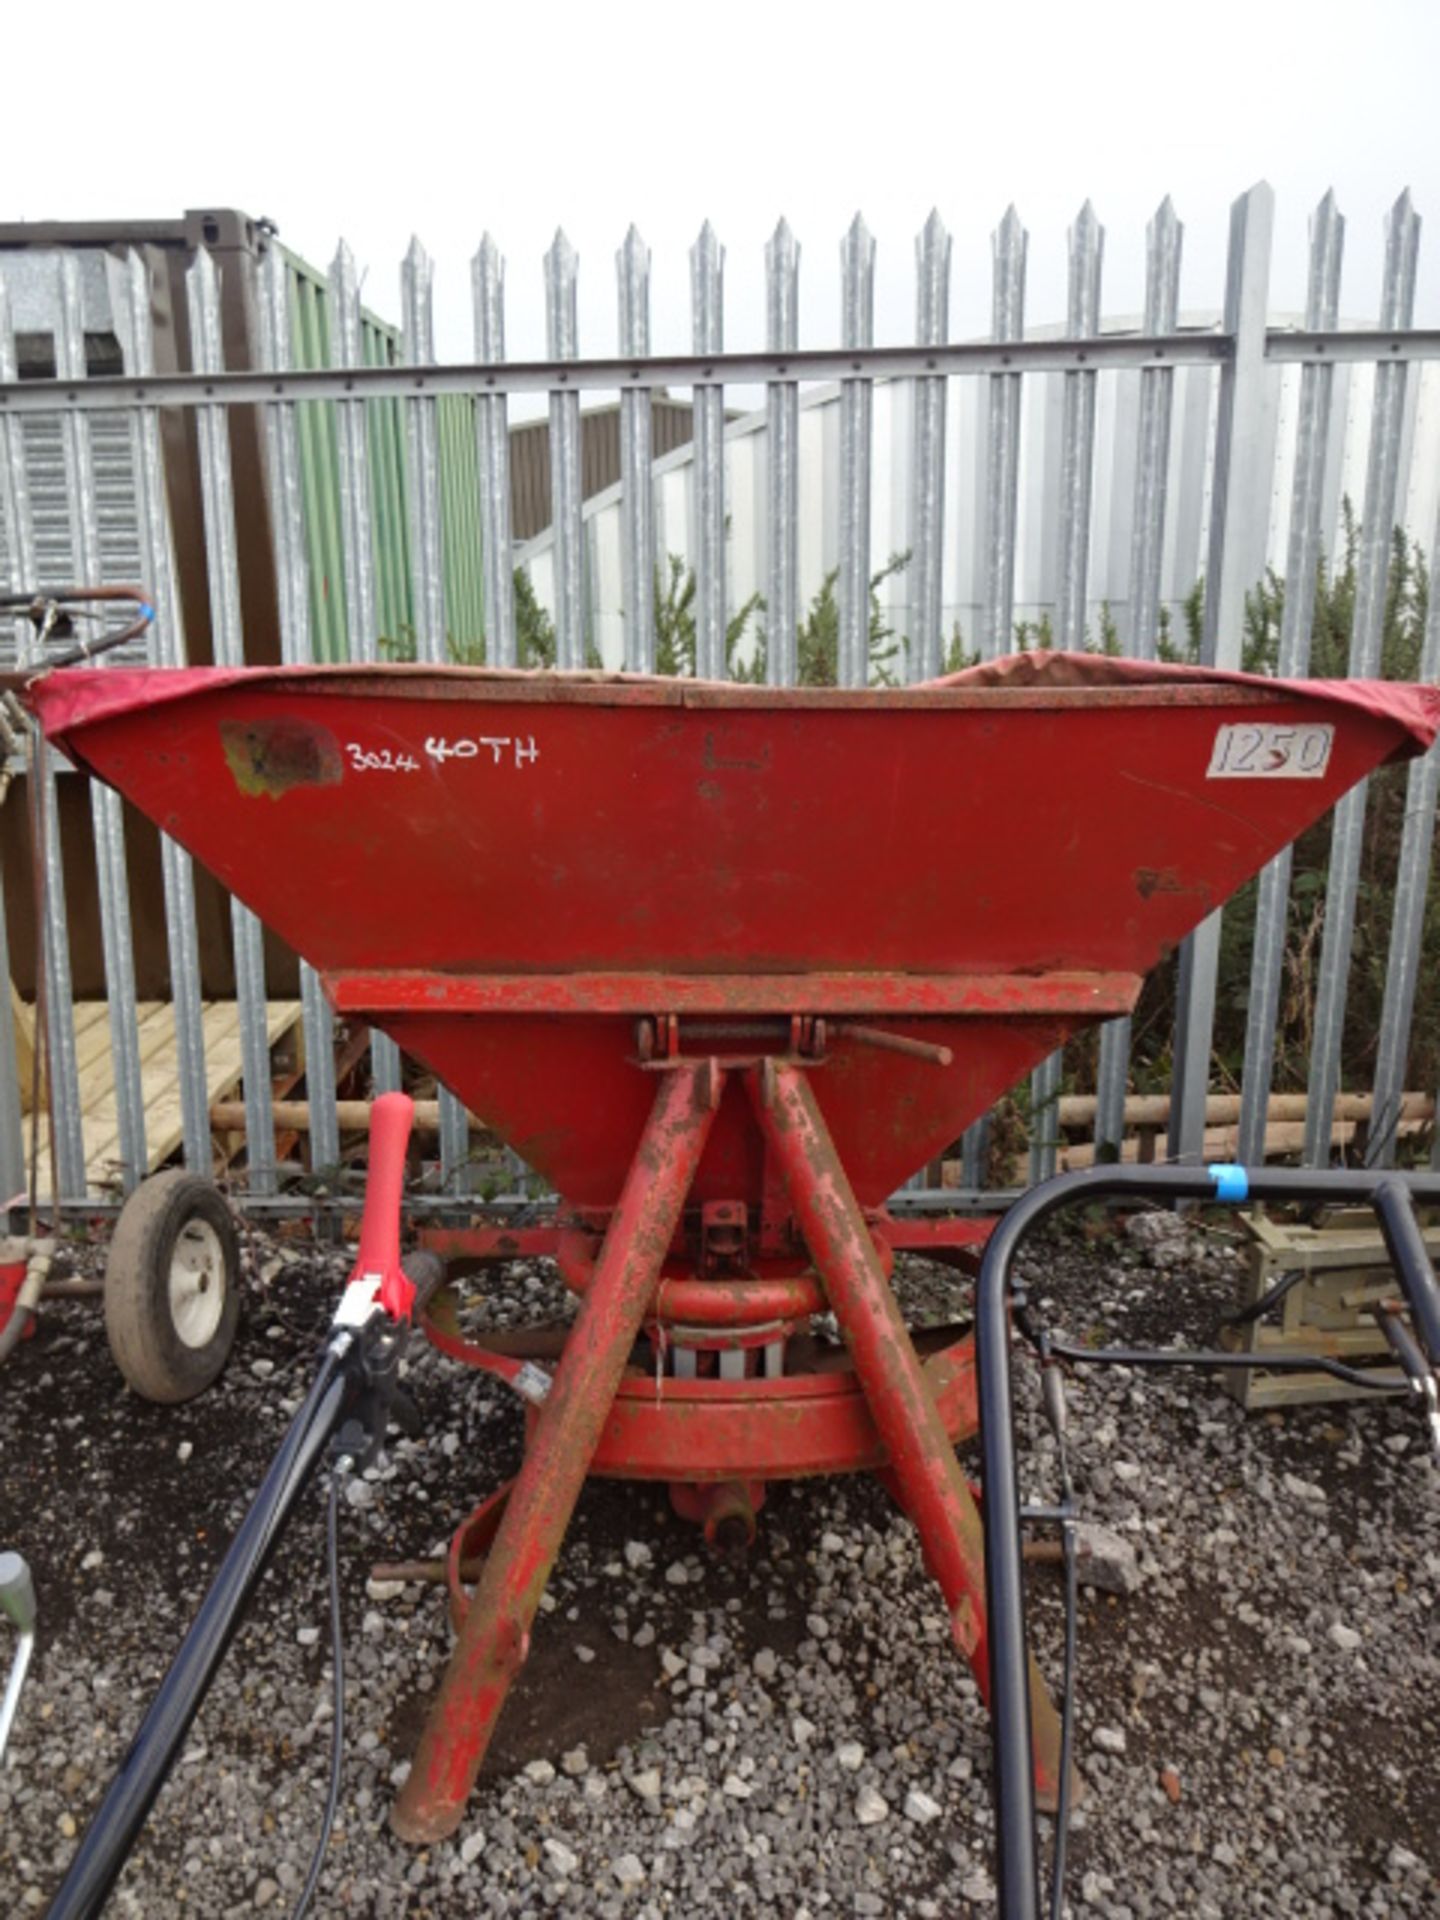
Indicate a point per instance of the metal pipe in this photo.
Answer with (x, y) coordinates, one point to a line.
(111, 1834)
(1017, 1872)
(17, 1599)
(352, 1116)
(1394, 1204)
(885, 1042)
(1224, 1109)
(495, 1637)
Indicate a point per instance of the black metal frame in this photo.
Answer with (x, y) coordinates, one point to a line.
(1393, 1198)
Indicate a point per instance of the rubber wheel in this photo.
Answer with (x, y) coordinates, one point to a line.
(172, 1287)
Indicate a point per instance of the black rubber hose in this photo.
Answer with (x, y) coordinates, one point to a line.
(337, 1725)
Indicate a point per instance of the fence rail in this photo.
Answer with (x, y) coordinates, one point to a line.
(1283, 346)
(386, 492)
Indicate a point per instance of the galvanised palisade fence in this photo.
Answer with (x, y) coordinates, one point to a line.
(415, 460)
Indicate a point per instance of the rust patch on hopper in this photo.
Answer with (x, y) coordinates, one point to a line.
(269, 757)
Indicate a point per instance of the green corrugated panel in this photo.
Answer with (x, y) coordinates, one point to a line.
(319, 473)
(460, 519)
(391, 523)
(320, 478)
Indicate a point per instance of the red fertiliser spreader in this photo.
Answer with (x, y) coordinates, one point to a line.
(726, 965)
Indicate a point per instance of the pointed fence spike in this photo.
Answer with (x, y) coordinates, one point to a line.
(487, 277)
(782, 246)
(1087, 247)
(561, 256)
(632, 269)
(561, 312)
(707, 292)
(1009, 245)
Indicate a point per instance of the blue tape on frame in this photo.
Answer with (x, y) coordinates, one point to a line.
(1232, 1183)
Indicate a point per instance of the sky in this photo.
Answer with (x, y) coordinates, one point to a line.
(377, 123)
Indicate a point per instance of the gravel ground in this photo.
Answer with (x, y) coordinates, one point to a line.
(790, 1735)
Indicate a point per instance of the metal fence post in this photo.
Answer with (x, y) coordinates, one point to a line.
(287, 508)
(217, 493)
(492, 430)
(1239, 509)
(1302, 560)
(1077, 449)
(782, 453)
(1077, 461)
(1163, 238)
(707, 305)
(637, 501)
(14, 498)
(1397, 307)
(417, 276)
(353, 459)
(130, 300)
(352, 448)
(12, 1120)
(1002, 481)
(857, 329)
(926, 642)
(562, 337)
(1002, 475)
(417, 299)
(1407, 928)
(115, 928)
(67, 1150)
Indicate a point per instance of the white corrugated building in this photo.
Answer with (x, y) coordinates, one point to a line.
(1188, 498)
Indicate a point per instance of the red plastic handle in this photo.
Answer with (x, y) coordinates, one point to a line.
(379, 1253)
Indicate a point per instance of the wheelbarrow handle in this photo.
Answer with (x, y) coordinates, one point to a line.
(378, 1255)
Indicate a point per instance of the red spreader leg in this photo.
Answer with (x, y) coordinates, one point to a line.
(495, 1636)
(922, 1456)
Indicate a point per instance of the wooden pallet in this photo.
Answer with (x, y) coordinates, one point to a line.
(1346, 1269)
(159, 1078)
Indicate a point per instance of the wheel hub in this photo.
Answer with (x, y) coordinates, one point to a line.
(197, 1283)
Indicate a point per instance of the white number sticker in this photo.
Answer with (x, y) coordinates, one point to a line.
(1268, 752)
